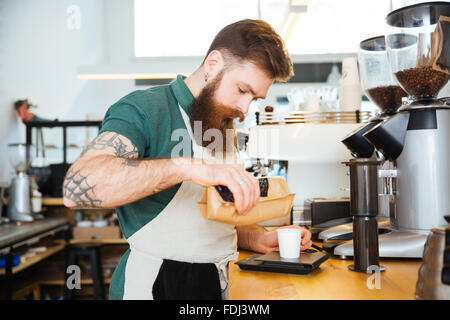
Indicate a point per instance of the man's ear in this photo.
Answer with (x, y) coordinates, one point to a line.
(214, 63)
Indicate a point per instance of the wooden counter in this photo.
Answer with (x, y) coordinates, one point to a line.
(331, 281)
(120, 241)
(46, 201)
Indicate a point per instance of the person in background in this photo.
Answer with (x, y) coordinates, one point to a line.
(23, 110)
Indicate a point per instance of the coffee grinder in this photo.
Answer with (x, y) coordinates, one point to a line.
(19, 199)
(366, 167)
(384, 92)
(416, 137)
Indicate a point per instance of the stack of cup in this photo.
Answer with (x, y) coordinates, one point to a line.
(349, 86)
(289, 240)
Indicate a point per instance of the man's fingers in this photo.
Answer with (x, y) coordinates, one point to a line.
(240, 189)
(246, 194)
(238, 195)
(254, 186)
(306, 246)
(306, 236)
(251, 194)
(243, 185)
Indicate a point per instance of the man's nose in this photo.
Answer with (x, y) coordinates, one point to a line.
(244, 105)
(244, 110)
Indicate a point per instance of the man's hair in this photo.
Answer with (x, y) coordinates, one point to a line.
(19, 103)
(255, 41)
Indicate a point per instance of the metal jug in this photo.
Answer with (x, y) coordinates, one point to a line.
(433, 282)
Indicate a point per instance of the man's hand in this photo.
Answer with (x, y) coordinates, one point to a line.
(256, 238)
(243, 185)
(269, 240)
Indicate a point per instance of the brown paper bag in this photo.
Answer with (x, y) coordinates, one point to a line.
(278, 203)
(441, 45)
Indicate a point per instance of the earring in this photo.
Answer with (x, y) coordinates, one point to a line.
(206, 77)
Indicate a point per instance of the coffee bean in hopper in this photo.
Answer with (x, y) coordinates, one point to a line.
(387, 98)
(422, 82)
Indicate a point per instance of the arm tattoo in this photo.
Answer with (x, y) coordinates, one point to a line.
(104, 141)
(131, 162)
(77, 189)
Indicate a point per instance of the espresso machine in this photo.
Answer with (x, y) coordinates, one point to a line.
(306, 147)
(19, 199)
(415, 139)
(384, 92)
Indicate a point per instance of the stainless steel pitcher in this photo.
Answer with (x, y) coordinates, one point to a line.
(430, 285)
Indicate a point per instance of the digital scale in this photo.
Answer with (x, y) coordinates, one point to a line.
(272, 262)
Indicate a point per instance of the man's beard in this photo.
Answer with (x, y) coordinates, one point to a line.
(214, 115)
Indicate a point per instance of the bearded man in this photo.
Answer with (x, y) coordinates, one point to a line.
(174, 252)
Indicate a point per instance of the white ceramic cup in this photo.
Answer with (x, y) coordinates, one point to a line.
(289, 241)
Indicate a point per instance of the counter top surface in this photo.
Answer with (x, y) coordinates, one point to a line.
(332, 280)
(11, 232)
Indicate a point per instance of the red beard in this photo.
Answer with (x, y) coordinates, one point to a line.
(214, 115)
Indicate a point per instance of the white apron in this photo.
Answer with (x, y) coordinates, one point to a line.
(180, 233)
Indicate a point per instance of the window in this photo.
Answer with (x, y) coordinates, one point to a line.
(186, 28)
(336, 26)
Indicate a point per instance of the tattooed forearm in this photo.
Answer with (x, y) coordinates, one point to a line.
(77, 189)
(108, 181)
(112, 140)
(131, 162)
(109, 160)
(109, 174)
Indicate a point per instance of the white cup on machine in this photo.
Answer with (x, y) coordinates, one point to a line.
(349, 86)
(289, 241)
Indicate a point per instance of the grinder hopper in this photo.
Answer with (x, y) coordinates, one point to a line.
(416, 137)
(418, 50)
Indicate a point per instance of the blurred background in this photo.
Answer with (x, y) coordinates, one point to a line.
(74, 58)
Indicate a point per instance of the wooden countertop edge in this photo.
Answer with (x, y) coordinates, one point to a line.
(47, 201)
(332, 281)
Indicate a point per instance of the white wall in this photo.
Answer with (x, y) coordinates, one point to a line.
(39, 55)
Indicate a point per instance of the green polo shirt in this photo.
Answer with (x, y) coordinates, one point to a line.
(147, 118)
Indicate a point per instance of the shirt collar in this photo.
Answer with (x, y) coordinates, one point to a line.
(182, 93)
